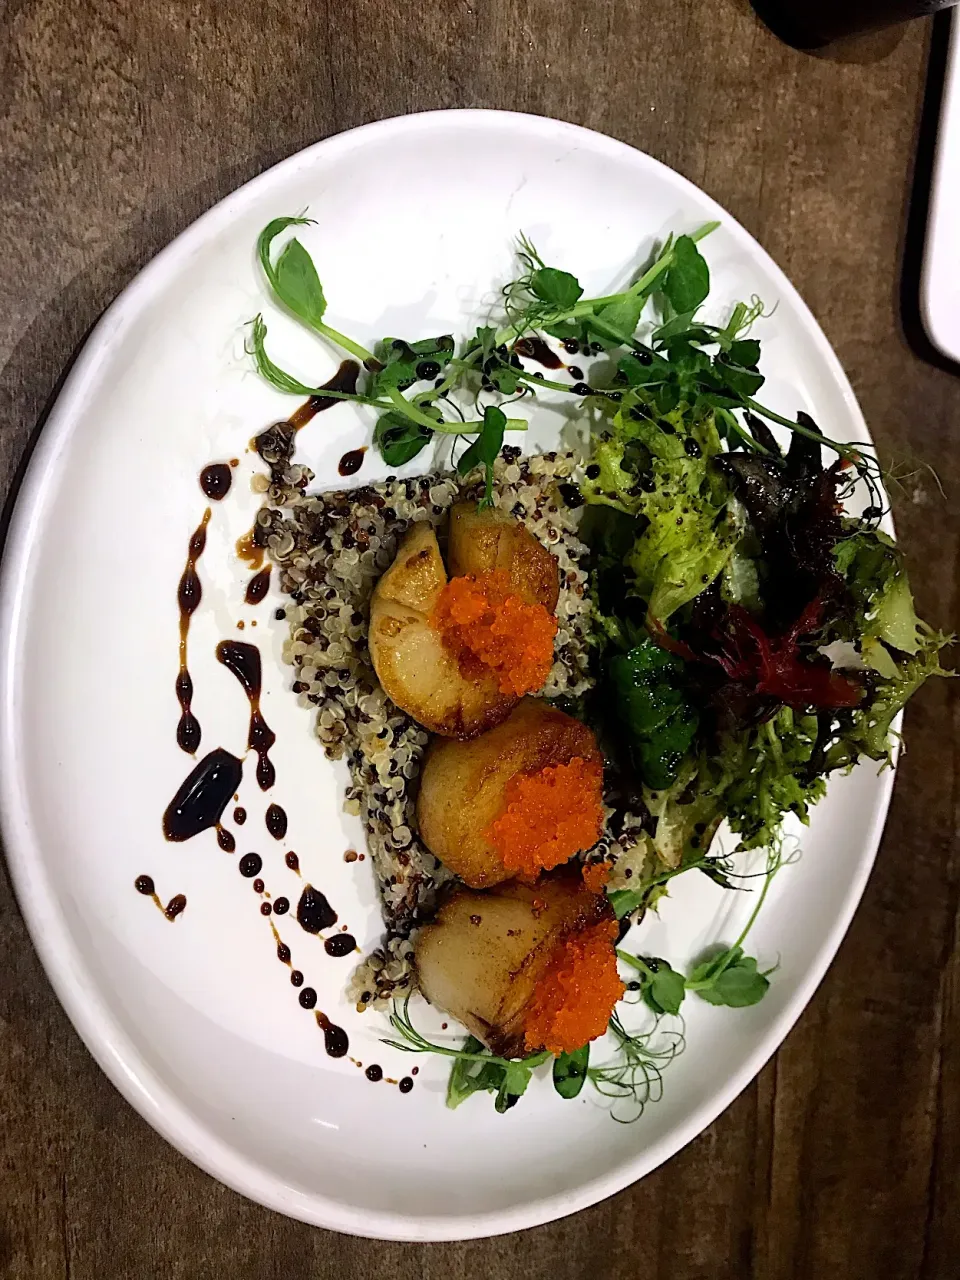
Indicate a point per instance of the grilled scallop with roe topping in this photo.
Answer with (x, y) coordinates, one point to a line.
(457, 653)
(517, 800)
(524, 967)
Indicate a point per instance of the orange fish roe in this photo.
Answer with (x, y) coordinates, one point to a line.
(573, 1000)
(596, 875)
(548, 816)
(486, 624)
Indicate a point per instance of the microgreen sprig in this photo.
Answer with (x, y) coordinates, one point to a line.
(475, 1068)
(635, 1076)
(405, 425)
(718, 868)
(725, 977)
(710, 368)
(294, 280)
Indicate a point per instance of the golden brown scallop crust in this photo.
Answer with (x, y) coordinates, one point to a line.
(481, 541)
(411, 661)
(462, 784)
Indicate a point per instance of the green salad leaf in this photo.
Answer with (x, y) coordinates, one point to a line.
(872, 566)
(868, 730)
(659, 471)
(760, 776)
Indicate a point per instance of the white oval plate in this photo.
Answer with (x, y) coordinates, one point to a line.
(196, 1022)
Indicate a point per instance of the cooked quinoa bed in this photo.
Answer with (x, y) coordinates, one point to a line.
(330, 549)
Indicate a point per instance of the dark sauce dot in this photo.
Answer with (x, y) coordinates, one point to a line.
(351, 462)
(258, 886)
(215, 481)
(570, 495)
(427, 370)
(144, 884)
(203, 796)
(239, 816)
(314, 912)
(265, 908)
(575, 372)
(341, 944)
(581, 389)
(374, 1072)
(189, 591)
(571, 346)
(296, 978)
(292, 861)
(335, 1039)
(276, 822)
(283, 952)
(281, 906)
(280, 615)
(225, 839)
(258, 586)
(405, 1085)
(188, 732)
(175, 906)
(250, 864)
(593, 471)
(308, 997)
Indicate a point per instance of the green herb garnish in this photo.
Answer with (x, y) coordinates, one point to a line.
(634, 1078)
(484, 450)
(726, 977)
(570, 1072)
(475, 1069)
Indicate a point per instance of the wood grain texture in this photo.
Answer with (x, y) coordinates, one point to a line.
(120, 122)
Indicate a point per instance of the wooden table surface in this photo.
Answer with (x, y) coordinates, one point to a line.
(120, 122)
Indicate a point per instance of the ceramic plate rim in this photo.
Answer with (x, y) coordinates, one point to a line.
(38, 903)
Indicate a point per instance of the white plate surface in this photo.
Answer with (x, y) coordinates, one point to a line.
(196, 1022)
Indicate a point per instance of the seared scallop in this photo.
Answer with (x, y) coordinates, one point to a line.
(413, 664)
(492, 960)
(512, 801)
(485, 541)
(446, 659)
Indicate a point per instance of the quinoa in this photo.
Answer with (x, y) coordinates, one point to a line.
(330, 549)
